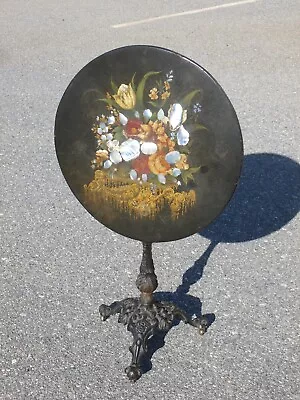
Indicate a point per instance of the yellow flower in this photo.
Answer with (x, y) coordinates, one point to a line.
(153, 94)
(165, 95)
(166, 85)
(171, 144)
(182, 163)
(158, 164)
(101, 155)
(125, 97)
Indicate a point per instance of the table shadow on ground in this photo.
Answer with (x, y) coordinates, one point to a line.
(267, 198)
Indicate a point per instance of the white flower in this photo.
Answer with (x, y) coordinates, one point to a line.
(130, 149)
(197, 108)
(137, 114)
(133, 174)
(99, 130)
(170, 76)
(123, 119)
(147, 114)
(103, 137)
(109, 136)
(177, 116)
(107, 164)
(102, 125)
(148, 148)
(176, 172)
(111, 120)
(113, 145)
(114, 149)
(161, 178)
(172, 157)
(183, 136)
(144, 177)
(115, 157)
(160, 114)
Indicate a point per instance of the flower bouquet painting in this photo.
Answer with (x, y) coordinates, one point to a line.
(149, 143)
(142, 162)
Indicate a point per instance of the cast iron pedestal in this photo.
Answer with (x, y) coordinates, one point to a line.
(144, 316)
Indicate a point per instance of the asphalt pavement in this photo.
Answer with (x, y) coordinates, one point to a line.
(58, 264)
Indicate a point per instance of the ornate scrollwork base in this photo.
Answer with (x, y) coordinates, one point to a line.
(144, 321)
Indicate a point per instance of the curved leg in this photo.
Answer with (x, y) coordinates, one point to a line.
(141, 331)
(146, 317)
(107, 311)
(200, 323)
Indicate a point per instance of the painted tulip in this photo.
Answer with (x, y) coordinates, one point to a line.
(130, 149)
(148, 148)
(183, 136)
(172, 157)
(125, 97)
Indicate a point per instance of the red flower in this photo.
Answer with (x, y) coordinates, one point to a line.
(132, 127)
(140, 164)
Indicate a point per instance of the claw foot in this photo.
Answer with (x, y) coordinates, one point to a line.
(105, 312)
(133, 372)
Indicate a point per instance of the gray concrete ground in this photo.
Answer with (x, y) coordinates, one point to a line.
(58, 264)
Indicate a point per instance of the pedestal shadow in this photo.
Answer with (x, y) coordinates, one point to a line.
(267, 198)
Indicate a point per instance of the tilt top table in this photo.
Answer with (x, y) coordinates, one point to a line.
(150, 145)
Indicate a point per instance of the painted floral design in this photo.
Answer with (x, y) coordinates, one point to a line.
(143, 147)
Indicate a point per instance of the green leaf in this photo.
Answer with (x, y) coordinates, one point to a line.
(154, 117)
(141, 87)
(113, 86)
(96, 92)
(170, 180)
(154, 104)
(103, 146)
(188, 175)
(184, 149)
(195, 127)
(119, 134)
(123, 169)
(110, 102)
(186, 101)
(132, 82)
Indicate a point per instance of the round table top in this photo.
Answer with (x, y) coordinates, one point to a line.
(149, 143)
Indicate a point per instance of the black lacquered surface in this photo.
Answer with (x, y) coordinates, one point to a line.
(149, 143)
